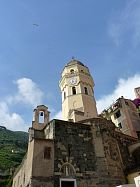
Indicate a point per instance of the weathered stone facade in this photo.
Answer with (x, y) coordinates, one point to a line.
(86, 154)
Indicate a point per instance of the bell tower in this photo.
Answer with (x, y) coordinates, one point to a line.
(76, 84)
(40, 117)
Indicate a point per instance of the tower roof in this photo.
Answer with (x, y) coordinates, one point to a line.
(73, 62)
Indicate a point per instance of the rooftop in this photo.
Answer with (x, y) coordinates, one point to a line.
(73, 62)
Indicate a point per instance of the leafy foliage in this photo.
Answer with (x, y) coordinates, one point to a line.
(13, 146)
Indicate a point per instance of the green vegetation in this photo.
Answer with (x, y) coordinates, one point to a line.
(13, 146)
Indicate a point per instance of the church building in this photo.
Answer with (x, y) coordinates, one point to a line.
(83, 149)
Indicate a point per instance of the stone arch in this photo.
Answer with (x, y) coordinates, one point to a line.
(67, 169)
(74, 104)
(111, 149)
(72, 71)
(136, 156)
(133, 147)
(134, 151)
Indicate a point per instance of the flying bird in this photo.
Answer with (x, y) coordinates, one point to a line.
(35, 24)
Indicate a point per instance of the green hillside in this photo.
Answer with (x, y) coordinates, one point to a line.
(13, 146)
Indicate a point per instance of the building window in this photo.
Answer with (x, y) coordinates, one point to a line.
(24, 179)
(72, 71)
(117, 114)
(64, 95)
(73, 90)
(126, 103)
(41, 117)
(120, 126)
(86, 90)
(47, 153)
(138, 134)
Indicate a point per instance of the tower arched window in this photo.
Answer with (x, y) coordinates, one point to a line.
(41, 116)
(86, 90)
(74, 90)
(72, 71)
(64, 95)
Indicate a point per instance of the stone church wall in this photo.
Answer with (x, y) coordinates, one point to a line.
(74, 149)
(36, 169)
(91, 154)
(43, 163)
(24, 172)
(108, 159)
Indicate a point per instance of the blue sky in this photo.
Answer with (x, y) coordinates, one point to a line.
(104, 35)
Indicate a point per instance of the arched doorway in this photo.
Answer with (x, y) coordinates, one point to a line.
(68, 173)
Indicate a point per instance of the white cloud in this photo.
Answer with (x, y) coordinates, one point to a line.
(28, 92)
(127, 23)
(125, 87)
(12, 121)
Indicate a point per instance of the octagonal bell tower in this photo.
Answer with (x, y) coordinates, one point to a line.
(76, 84)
